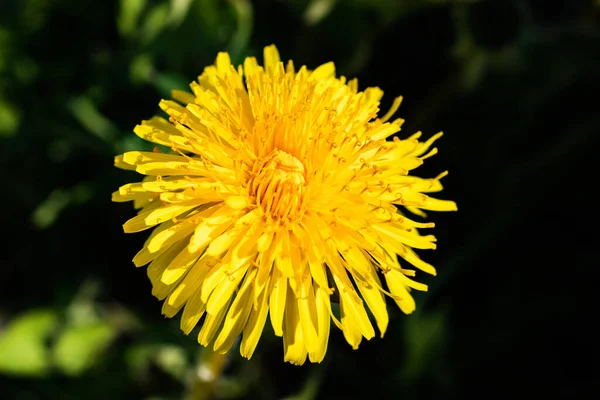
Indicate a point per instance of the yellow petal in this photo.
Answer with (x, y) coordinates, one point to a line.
(323, 321)
(175, 168)
(355, 309)
(120, 163)
(223, 62)
(414, 259)
(265, 264)
(277, 301)
(169, 311)
(413, 284)
(167, 185)
(211, 324)
(369, 289)
(349, 327)
(161, 124)
(397, 234)
(255, 324)
(324, 71)
(182, 96)
(391, 111)
(193, 311)
(157, 267)
(189, 285)
(222, 243)
(271, 59)
(317, 267)
(237, 315)
(144, 157)
(307, 310)
(144, 256)
(227, 268)
(237, 202)
(250, 66)
(148, 219)
(172, 234)
(404, 300)
(283, 260)
(438, 205)
(224, 290)
(264, 242)
(179, 266)
(212, 227)
(294, 350)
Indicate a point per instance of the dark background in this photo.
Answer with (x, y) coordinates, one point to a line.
(513, 84)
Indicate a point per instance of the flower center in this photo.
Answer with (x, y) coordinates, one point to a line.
(278, 185)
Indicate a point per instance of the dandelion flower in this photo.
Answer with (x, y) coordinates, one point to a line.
(277, 193)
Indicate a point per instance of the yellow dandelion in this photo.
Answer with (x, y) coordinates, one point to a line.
(278, 195)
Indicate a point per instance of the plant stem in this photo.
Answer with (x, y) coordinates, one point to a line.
(206, 375)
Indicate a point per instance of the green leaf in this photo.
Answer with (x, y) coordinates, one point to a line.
(241, 37)
(169, 358)
(179, 10)
(48, 211)
(78, 348)
(155, 22)
(10, 119)
(129, 14)
(140, 69)
(317, 10)
(23, 350)
(88, 115)
(172, 359)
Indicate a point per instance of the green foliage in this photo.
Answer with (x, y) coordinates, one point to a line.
(79, 347)
(23, 349)
(129, 15)
(10, 119)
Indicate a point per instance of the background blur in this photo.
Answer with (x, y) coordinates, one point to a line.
(509, 82)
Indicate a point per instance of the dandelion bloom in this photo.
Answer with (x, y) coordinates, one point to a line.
(277, 195)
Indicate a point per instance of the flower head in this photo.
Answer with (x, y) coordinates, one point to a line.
(278, 194)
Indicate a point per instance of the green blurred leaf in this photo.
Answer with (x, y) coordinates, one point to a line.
(23, 350)
(171, 359)
(78, 348)
(179, 10)
(210, 19)
(140, 69)
(85, 111)
(241, 37)
(33, 14)
(47, 212)
(82, 192)
(10, 119)
(138, 358)
(155, 22)
(317, 10)
(129, 14)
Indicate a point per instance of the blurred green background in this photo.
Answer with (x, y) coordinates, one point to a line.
(514, 85)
